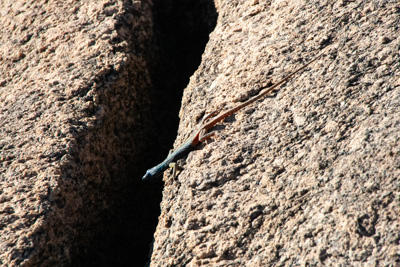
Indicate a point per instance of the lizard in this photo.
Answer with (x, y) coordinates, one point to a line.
(200, 134)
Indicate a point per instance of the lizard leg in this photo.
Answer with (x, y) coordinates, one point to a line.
(212, 114)
(175, 167)
(203, 136)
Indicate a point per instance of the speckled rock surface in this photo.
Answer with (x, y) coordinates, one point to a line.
(308, 176)
(73, 92)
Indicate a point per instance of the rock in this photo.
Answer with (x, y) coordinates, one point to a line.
(307, 176)
(64, 69)
(315, 177)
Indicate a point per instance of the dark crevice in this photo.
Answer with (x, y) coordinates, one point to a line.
(181, 30)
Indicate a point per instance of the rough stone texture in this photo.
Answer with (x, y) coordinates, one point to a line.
(73, 102)
(308, 176)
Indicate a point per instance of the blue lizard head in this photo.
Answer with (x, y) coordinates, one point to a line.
(151, 173)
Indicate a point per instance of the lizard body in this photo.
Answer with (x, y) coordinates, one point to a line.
(201, 133)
